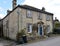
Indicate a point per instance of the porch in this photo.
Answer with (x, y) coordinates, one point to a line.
(38, 31)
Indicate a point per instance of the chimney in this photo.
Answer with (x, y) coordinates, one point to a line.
(43, 9)
(14, 3)
(55, 18)
(8, 11)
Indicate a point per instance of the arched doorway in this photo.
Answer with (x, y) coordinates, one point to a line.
(40, 28)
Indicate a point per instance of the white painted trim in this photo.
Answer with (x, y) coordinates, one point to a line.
(38, 30)
(30, 28)
(42, 30)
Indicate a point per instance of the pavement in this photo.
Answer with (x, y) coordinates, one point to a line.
(53, 41)
(4, 42)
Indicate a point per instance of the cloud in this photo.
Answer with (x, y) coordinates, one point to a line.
(37, 3)
(2, 12)
(2, 16)
(1, 9)
(52, 6)
(56, 1)
(20, 1)
(10, 9)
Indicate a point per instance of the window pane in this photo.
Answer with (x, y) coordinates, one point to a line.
(29, 13)
(29, 28)
(48, 28)
(47, 17)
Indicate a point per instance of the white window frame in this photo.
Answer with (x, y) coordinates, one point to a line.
(29, 14)
(30, 28)
(39, 29)
(48, 28)
(48, 18)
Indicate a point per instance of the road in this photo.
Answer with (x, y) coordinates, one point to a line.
(54, 41)
(4, 42)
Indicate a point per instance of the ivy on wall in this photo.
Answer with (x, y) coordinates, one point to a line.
(57, 25)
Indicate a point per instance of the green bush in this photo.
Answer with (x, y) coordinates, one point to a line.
(20, 34)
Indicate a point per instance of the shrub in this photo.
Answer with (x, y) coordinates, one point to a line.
(20, 34)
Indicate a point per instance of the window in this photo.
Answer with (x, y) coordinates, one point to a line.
(29, 28)
(48, 28)
(47, 17)
(29, 14)
(40, 16)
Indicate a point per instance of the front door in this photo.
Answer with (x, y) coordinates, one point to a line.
(40, 30)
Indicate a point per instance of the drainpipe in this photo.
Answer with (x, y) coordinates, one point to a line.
(21, 20)
(18, 19)
(19, 13)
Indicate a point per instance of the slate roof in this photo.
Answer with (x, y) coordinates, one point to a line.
(34, 9)
(29, 8)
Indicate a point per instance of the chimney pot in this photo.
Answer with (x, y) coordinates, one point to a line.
(43, 9)
(14, 3)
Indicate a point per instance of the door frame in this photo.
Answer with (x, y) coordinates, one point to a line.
(39, 29)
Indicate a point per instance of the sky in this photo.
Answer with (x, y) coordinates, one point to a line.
(52, 6)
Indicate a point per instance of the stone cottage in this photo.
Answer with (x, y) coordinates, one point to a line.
(27, 17)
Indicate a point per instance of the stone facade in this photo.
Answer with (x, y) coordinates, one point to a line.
(17, 19)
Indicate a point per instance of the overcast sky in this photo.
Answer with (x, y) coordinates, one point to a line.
(52, 6)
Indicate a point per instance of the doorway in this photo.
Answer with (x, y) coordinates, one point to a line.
(40, 30)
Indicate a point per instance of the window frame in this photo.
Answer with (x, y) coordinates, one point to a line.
(40, 16)
(47, 17)
(29, 14)
(29, 30)
(48, 28)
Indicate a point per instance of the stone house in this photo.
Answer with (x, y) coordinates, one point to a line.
(56, 23)
(25, 17)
